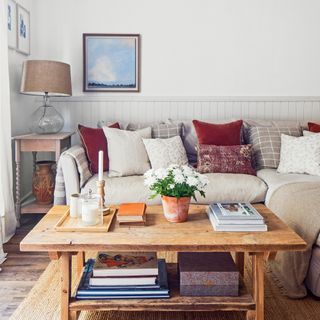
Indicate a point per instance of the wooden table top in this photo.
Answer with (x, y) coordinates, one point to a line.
(49, 136)
(196, 234)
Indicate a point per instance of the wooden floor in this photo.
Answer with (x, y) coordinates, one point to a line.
(21, 269)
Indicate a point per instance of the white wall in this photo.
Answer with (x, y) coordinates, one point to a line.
(196, 48)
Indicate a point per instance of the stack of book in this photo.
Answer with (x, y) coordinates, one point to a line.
(235, 217)
(132, 214)
(124, 275)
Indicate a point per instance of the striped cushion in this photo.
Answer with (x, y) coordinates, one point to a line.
(266, 142)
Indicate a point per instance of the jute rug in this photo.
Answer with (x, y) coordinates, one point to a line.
(43, 303)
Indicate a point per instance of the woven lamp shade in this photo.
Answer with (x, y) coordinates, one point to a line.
(41, 76)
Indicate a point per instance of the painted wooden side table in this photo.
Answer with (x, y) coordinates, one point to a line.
(37, 143)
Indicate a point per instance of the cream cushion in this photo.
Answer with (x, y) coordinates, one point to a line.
(300, 154)
(222, 187)
(163, 152)
(126, 151)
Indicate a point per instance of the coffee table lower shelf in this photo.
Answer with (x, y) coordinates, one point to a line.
(243, 302)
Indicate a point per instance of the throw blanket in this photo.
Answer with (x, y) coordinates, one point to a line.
(298, 205)
(78, 154)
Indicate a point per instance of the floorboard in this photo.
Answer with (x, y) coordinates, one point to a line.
(21, 270)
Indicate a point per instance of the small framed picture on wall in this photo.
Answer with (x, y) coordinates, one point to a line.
(23, 30)
(12, 24)
(111, 62)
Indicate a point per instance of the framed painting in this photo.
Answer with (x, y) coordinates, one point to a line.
(12, 24)
(111, 62)
(23, 30)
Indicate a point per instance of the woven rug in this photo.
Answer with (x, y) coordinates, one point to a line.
(43, 303)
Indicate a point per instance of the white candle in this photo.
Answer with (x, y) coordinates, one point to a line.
(100, 171)
(74, 205)
(90, 213)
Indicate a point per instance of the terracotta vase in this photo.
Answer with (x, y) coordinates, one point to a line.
(176, 209)
(43, 182)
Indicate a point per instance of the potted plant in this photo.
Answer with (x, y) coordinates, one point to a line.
(176, 185)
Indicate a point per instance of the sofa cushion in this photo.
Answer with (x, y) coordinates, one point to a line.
(225, 159)
(275, 180)
(228, 134)
(314, 127)
(300, 154)
(222, 187)
(266, 143)
(163, 152)
(94, 140)
(127, 154)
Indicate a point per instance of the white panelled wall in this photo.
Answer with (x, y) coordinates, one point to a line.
(89, 110)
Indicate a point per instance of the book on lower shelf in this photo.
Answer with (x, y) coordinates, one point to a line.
(235, 216)
(127, 290)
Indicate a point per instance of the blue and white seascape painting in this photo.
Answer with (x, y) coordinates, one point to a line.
(111, 63)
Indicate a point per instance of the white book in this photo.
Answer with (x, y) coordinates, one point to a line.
(125, 281)
(234, 227)
(237, 221)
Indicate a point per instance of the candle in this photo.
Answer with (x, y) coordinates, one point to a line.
(90, 213)
(100, 171)
(74, 205)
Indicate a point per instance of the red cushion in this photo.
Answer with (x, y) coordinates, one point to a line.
(228, 134)
(225, 159)
(313, 127)
(94, 140)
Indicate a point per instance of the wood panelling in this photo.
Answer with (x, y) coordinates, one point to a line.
(90, 109)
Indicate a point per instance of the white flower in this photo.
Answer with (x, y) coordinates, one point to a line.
(173, 166)
(192, 181)
(149, 181)
(161, 173)
(171, 186)
(149, 173)
(177, 172)
(179, 178)
(188, 170)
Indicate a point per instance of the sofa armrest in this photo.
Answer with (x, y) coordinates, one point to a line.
(70, 174)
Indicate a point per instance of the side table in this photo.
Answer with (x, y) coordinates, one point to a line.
(37, 143)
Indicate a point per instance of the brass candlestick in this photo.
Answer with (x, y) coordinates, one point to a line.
(100, 191)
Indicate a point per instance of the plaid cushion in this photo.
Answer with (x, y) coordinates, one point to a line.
(167, 130)
(266, 142)
(158, 129)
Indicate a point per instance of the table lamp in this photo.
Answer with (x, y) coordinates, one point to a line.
(46, 78)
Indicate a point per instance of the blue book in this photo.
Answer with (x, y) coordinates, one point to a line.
(85, 291)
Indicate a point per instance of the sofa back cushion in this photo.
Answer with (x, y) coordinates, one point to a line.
(127, 154)
(227, 134)
(93, 140)
(266, 142)
(225, 159)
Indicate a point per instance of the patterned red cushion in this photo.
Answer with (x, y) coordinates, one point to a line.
(93, 140)
(227, 134)
(314, 127)
(225, 159)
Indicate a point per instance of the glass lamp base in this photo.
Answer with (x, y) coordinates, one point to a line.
(46, 119)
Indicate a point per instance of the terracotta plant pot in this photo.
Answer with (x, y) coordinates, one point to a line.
(43, 182)
(176, 209)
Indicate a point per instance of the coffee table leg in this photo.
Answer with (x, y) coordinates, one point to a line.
(239, 260)
(258, 286)
(66, 275)
(80, 263)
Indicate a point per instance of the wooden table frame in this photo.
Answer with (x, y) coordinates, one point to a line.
(37, 143)
(260, 246)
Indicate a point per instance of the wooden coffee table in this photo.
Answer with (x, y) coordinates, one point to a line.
(159, 235)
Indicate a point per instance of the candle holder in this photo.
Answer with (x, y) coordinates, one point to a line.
(100, 192)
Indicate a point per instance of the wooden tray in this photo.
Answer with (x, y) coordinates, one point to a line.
(67, 224)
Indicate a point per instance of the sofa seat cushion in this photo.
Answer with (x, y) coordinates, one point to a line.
(275, 180)
(222, 187)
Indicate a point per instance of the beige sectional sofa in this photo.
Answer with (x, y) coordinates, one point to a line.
(222, 187)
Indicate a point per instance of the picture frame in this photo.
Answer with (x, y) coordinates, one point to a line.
(23, 30)
(12, 24)
(111, 62)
